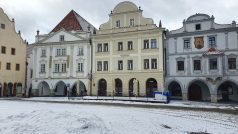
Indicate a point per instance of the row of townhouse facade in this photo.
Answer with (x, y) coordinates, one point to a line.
(130, 55)
(12, 58)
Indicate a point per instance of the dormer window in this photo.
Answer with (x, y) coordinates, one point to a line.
(132, 22)
(61, 37)
(198, 26)
(118, 23)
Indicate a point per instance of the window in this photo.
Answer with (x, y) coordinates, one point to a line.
(58, 52)
(232, 63)
(61, 37)
(146, 44)
(8, 67)
(13, 51)
(130, 65)
(118, 23)
(42, 68)
(99, 47)
(99, 66)
(80, 67)
(43, 53)
(198, 26)
(17, 67)
(153, 43)
(80, 51)
(3, 50)
(186, 43)
(180, 65)
(154, 63)
(120, 46)
(132, 22)
(105, 47)
(63, 67)
(57, 68)
(105, 66)
(63, 52)
(197, 65)
(146, 63)
(212, 41)
(2, 26)
(130, 45)
(120, 65)
(213, 63)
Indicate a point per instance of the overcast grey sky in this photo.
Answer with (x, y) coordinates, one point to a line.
(44, 15)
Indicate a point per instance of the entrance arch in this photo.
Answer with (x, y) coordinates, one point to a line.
(60, 89)
(18, 88)
(151, 86)
(78, 89)
(102, 87)
(228, 91)
(133, 86)
(175, 90)
(10, 90)
(118, 87)
(198, 91)
(44, 89)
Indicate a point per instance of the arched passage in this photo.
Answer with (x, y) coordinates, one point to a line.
(78, 89)
(151, 86)
(175, 90)
(1, 87)
(198, 91)
(5, 91)
(10, 88)
(228, 91)
(118, 87)
(18, 88)
(134, 87)
(102, 87)
(60, 89)
(44, 89)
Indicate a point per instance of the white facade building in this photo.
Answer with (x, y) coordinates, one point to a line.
(62, 59)
(202, 60)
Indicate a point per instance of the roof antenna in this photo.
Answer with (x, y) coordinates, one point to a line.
(160, 24)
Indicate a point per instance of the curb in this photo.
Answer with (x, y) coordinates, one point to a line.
(118, 104)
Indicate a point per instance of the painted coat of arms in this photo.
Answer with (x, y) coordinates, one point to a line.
(199, 42)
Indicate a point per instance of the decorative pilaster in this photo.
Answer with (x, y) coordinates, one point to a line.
(226, 39)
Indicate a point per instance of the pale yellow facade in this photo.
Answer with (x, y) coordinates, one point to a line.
(127, 26)
(12, 58)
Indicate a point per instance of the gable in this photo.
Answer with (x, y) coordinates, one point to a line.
(55, 37)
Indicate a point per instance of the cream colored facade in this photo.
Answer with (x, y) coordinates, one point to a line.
(13, 53)
(112, 46)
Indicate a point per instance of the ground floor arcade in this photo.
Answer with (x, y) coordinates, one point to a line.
(11, 89)
(137, 84)
(203, 89)
(60, 87)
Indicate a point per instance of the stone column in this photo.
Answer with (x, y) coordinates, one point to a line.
(175, 45)
(226, 38)
(185, 96)
(214, 98)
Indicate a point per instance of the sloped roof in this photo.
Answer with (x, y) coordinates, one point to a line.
(73, 22)
(212, 51)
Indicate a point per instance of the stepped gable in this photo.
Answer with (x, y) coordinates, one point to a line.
(73, 22)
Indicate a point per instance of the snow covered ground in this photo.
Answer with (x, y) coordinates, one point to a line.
(17, 117)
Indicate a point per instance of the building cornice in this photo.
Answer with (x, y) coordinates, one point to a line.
(62, 43)
(221, 30)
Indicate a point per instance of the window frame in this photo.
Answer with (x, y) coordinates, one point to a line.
(153, 43)
(120, 46)
(130, 65)
(198, 26)
(212, 67)
(234, 63)
(120, 65)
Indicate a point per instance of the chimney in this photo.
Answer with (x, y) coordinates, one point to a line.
(19, 32)
(37, 32)
(160, 24)
(233, 24)
(13, 20)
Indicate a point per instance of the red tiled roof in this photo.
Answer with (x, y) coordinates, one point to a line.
(73, 22)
